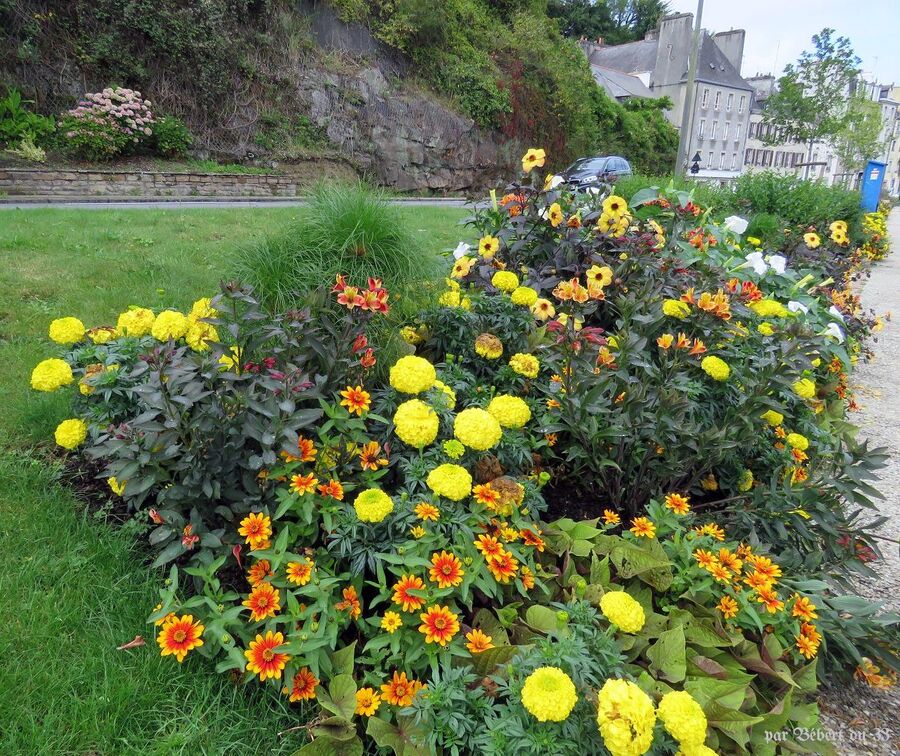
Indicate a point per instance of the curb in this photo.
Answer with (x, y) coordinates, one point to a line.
(34, 199)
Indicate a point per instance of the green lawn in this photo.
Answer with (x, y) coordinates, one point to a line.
(73, 588)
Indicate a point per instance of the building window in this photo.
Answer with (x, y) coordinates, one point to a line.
(704, 103)
(734, 161)
(743, 103)
(737, 132)
(718, 99)
(702, 128)
(729, 102)
(715, 128)
(722, 164)
(709, 159)
(725, 129)
(748, 156)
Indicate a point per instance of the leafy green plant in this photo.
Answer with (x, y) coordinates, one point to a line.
(28, 150)
(17, 123)
(171, 137)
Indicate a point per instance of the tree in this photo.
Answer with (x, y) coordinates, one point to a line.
(810, 103)
(616, 21)
(860, 139)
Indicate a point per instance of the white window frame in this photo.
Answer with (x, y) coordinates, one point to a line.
(702, 129)
(718, 100)
(725, 130)
(734, 165)
(714, 129)
(742, 103)
(722, 164)
(709, 159)
(729, 102)
(704, 102)
(737, 131)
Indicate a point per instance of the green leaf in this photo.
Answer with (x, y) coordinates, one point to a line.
(668, 655)
(487, 662)
(542, 618)
(341, 696)
(342, 660)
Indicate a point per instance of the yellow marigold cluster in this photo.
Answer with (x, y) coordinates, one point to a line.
(169, 324)
(411, 336)
(373, 505)
(695, 749)
(489, 346)
(525, 364)
(716, 368)
(769, 308)
(49, 375)
(549, 694)
(71, 433)
(505, 280)
(202, 308)
(101, 334)
(623, 611)
(200, 332)
(805, 388)
(67, 331)
(477, 429)
(509, 411)
(766, 329)
(448, 395)
(450, 481)
(797, 441)
(412, 375)
(625, 717)
(683, 717)
(524, 295)
(416, 423)
(136, 322)
(675, 308)
(773, 418)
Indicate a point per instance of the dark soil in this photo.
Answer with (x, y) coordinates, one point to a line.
(567, 500)
(85, 477)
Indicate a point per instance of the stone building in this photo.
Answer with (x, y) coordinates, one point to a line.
(722, 98)
(765, 151)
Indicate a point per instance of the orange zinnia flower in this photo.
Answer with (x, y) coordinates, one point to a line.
(332, 488)
(446, 570)
(705, 559)
(304, 484)
(769, 598)
(351, 602)
(730, 560)
(439, 624)
(711, 529)
(478, 641)
(264, 601)
(425, 511)
(720, 574)
(610, 517)
(404, 597)
(530, 538)
(367, 702)
(262, 658)
(299, 573)
(643, 527)
(303, 686)
(180, 635)
(259, 572)
(489, 547)
(257, 528)
(679, 504)
(399, 691)
(806, 646)
(487, 496)
(728, 606)
(765, 566)
(503, 566)
(307, 449)
(758, 581)
(527, 578)
(804, 608)
(370, 456)
(356, 400)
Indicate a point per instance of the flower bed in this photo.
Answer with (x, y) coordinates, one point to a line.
(606, 504)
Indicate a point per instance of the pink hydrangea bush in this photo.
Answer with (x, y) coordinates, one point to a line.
(105, 124)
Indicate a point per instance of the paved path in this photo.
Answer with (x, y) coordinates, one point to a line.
(876, 386)
(11, 203)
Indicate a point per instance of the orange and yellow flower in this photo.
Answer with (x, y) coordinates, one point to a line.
(356, 400)
(769, 598)
(530, 538)
(332, 489)
(264, 601)
(728, 606)
(367, 702)
(679, 504)
(370, 456)
(642, 527)
(730, 560)
(439, 624)
(400, 691)
(425, 511)
(350, 602)
(706, 559)
(179, 635)
(391, 622)
(610, 517)
(489, 546)
(256, 527)
(446, 570)
(303, 686)
(527, 577)
(478, 642)
(403, 593)
(711, 529)
(299, 573)
(503, 566)
(259, 572)
(804, 609)
(487, 496)
(263, 660)
(304, 484)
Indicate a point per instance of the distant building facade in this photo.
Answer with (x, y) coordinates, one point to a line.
(765, 150)
(723, 100)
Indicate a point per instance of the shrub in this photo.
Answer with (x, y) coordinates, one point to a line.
(108, 123)
(28, 150)
(171, 137)
(17, 124)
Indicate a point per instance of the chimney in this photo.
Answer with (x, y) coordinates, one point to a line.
(731, 44)
(673, 49)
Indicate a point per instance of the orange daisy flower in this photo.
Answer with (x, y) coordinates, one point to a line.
(303, 686)
(446, 570)
(256, 527)
(487, 496)
(417, 531)
(530, 538)
(642, 527)
(610, 517)
(351, 602)
(332, 488)
(730, 561)
(403, 592)
(679, 504)
(705, 559)
(728, 606)
(263, 660)
(489, 547)
(179, 635)
(758, 581)
(719, 573)
(370, 456)
(478, 641)
(806, 646)
(299, 573)
(391, 622)
(804, 608)
(503, 566)
(809, 630)
(259, 572)
(264, 601)
(765, 566)
(356, 400)
(711, 529)
(439, 624)
(399, 691)
(367, 702)
(770, 600)
(307, 450)
(425, 511)
(304, 484)
(527, 578)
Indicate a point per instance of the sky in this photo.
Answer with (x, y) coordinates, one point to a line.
(779, 30)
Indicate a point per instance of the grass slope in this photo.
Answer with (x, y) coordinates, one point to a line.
(71, 587)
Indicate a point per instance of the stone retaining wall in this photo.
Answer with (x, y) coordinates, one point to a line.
(80, 183)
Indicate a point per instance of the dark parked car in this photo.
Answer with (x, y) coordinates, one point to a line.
(594, 171)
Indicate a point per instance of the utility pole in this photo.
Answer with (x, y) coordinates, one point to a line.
(684, 137)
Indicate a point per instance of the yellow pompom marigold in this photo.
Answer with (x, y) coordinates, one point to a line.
(549, 694)
(505, 280)
(509, 411)
(489, 346)
(626, 718)
(525, 364)
(412, 375)
(373, 505)
(71, 433)
(477, 429)
(716, 368)
(772, 417)
(416, 423)
(447, 395)
(136, 322)
(169, 324)
(66, 331)
(683, 717)
(675, 308)
(49, 375)
(524, 295)
(450, 481)
(805, 388)
(198, 334)
(769, 308)
(623, 611)
(797, 441)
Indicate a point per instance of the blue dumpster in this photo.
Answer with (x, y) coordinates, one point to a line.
(873, 177)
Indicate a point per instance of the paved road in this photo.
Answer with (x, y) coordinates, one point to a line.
(193, 204)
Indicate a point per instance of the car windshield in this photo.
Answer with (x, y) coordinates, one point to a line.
(586, 167)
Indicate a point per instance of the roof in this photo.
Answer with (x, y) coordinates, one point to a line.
(632, 57)
(618, 84)
(713, 67)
